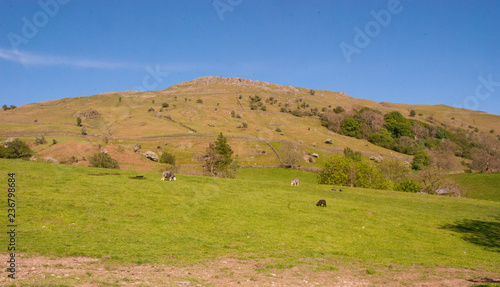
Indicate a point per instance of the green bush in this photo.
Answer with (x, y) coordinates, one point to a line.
(103, 160)
(420, 160)
(278, 130)
(409, 185)
(340, 170)
(398, 125)
(350, 127)
(383, 138)
(349, 153)
(165, 105)
(15, 149)
(167, 158)
(338, 110)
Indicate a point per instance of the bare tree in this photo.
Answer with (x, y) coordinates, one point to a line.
(486, 157)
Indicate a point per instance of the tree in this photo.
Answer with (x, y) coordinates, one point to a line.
(383, 138)
(15, 149)
(398, 125)
(78, 121)
(350, 127)
(218, 158)
(103, 160)
(413, 113)
(340, 170)
(486, 156)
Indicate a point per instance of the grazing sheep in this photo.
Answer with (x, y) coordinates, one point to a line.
(168, 174)
(295, 182)
(322, 202)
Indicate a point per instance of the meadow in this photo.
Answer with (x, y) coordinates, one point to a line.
(480, 185)
(78, 211)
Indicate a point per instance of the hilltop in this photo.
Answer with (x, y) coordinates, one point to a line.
(184, 118)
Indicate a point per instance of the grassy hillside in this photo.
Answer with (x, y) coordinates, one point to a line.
(185, 117)
(76, 211)
(480, 185)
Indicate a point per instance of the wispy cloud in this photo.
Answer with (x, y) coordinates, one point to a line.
(47, 60)
(31, 59)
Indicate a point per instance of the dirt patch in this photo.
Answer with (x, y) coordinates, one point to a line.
(83, 271)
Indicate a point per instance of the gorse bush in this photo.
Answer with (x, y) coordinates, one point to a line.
(103, 160)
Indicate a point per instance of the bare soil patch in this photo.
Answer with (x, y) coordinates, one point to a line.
(83, 271)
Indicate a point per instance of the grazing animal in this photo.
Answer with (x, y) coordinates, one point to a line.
(295, 182)
(322, 202)
(168, 174)
(340, 190)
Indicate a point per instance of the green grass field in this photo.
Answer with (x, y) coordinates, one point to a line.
(480, 185)
(76, 211)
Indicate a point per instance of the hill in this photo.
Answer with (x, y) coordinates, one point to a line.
(184, 118)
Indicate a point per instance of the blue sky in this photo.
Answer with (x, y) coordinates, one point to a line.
(414, 52)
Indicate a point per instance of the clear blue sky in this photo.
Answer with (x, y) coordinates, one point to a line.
(417, 52)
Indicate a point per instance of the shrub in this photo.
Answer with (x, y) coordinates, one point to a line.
(312, 92)
(54, 141)
(413, 113)
(340, 170)
(165, 105)
(233, 114)
(349, 153)
(350, 127)
(338, 109)
(409, 185)
(15, 149)
(383, 138)
(167, 158)
(78, 121)
(103, 160)
(40, 140)
(420, 160)
(278, 130)
(398, 125)
(199, 101)
(83, 131)
(150, 110)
